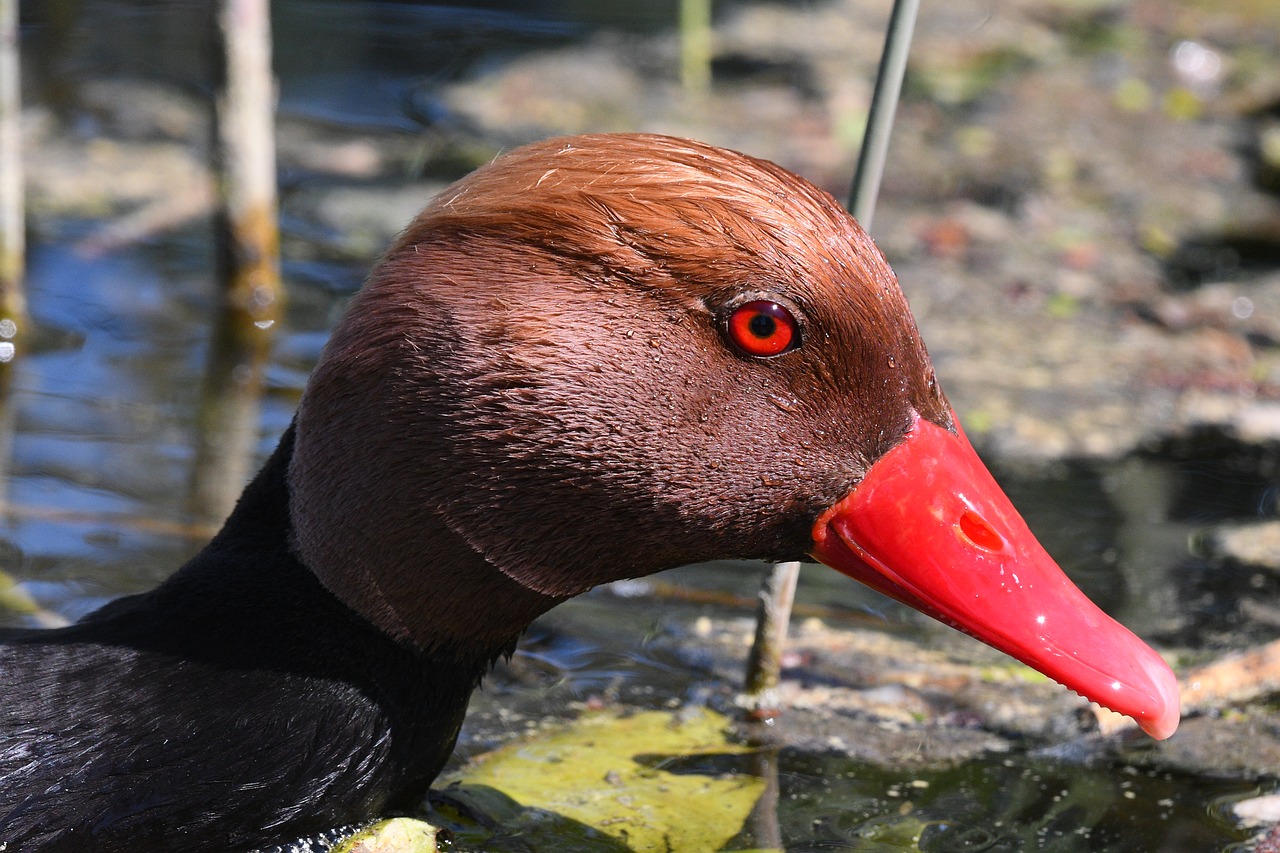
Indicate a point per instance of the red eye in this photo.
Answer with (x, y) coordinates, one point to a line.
(762, 328)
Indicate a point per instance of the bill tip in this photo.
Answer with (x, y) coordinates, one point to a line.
(1168, 704)
(1161, 727)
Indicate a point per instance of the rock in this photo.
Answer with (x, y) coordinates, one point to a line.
(1242, 743)
(1259, 423)
(932, 699)
(361, 221)
(1255, 545)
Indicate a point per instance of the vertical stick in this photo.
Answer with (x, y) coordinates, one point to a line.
(12, 222)
(764, 663)
(248, 241)
(244, 146)
(778, 589)
(12, 268)
(884, 105)
(695, 47)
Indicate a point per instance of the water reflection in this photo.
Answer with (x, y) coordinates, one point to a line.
(226, 423)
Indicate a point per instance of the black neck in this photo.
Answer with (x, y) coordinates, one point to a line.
(245, 609)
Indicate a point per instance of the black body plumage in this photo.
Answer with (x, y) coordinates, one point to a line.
(237, 705)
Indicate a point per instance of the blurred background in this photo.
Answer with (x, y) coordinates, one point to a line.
(1081, 204)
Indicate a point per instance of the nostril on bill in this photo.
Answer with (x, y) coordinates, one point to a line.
(976, 529)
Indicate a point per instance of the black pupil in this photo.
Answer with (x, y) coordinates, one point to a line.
(763, 326)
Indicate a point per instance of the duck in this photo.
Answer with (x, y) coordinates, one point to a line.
(593, 358)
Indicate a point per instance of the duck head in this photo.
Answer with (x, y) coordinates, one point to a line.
(599, 357)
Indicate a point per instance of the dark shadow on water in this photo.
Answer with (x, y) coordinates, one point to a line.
(479, 818)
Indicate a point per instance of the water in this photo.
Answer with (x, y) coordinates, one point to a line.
(98, 471)
(1004, 805)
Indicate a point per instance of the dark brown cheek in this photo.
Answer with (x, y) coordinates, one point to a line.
(760, 461)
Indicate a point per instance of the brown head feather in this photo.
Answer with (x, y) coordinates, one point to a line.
(534, 380)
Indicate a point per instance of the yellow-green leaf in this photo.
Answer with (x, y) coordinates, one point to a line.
(609, 775)
(398, 835)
